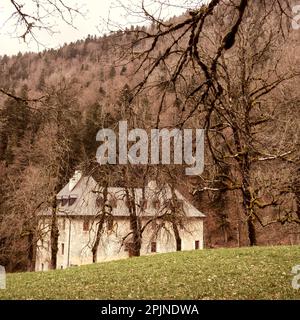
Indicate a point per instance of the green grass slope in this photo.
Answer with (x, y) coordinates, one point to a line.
(244, 273)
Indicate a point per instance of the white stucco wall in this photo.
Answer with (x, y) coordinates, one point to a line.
(77, 251)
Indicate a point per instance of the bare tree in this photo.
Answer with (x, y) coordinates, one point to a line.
(39, 170)
(30, 18)
(224, 62)
(34, 16)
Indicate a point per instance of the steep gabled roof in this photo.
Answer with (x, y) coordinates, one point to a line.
(87, 191)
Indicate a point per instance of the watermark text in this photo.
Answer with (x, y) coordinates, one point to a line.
(137, 147)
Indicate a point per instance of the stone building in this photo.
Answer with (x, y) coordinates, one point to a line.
(79, 210)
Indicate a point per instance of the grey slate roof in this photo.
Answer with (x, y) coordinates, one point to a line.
(86, 191)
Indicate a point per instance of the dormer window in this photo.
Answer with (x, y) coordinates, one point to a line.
(64, 200)
(155, 203)
(72, 200)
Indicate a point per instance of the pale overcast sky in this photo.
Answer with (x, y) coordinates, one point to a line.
(95, 13)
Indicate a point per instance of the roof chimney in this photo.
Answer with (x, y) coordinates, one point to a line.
(75, 179)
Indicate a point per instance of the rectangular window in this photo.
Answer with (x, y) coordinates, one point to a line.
(155, 204)
(153, 246)
(62, 248)
(197, 244)
(86, 225)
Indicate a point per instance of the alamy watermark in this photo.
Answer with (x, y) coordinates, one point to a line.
(296, 17)
(188, 147)
(296, 278)
(2, 278)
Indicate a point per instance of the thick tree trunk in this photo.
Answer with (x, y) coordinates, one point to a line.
(31, 251)
(177, 236)
(98, 237)
(244, 161)
(100, 225)
(245, 167)
(136, 236)
(296, 189)
(135, 224)
(250, 218)
(251, 232)
(54, 236)
(175, 221)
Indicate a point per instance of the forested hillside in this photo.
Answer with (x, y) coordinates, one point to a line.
(53, 103)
